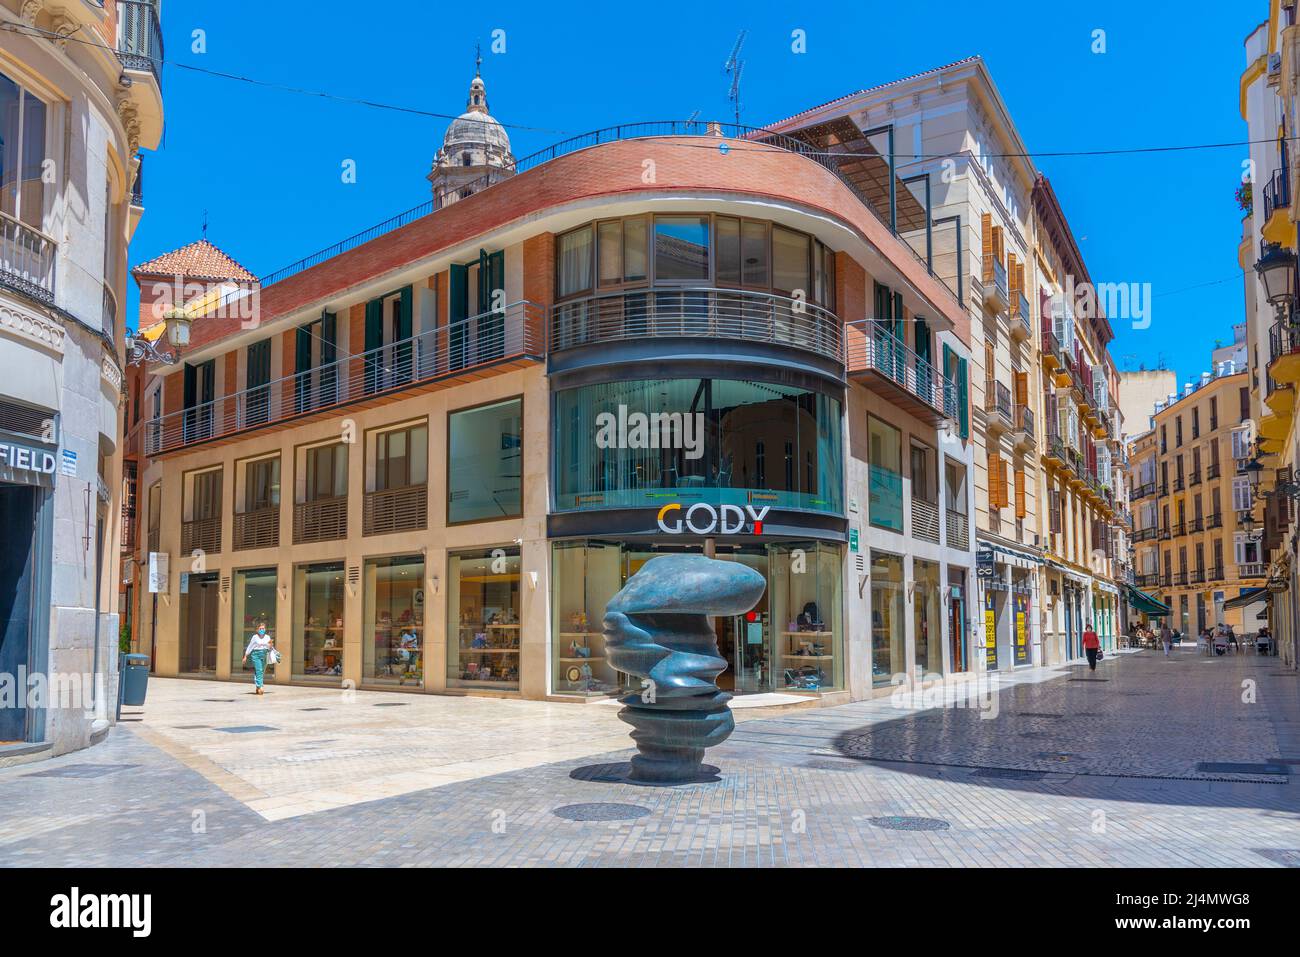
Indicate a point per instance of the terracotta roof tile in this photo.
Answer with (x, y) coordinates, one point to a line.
(198, 260)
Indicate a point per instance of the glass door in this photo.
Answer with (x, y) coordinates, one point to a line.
(199, 626)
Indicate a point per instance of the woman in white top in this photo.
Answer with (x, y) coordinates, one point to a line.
(259, 647)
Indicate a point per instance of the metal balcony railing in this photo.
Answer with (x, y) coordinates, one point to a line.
(137, 188)
(1212, 471)
(1020, 315)
(26, 259)
(997, 401)
(871, 348)
(1142, 491)
(460, 348)
(1277, 192)
(1214, 520)
(709, 313)
(1196, 577)
(1051, 346)
(1195, 525)
(322, 520)
(1194, 477)
(1024, 421)
(1148, 581)
(139, 37)
(395, 510)
(259, 528)
(1283, 340)
(1178, 578)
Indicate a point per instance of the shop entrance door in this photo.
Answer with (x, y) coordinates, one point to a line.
(199, 607)
(745, 640)
(17, 598)
(957, 630)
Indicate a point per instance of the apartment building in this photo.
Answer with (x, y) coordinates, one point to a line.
(1084, 535)
(427, 460)
(957, 153)
(1196, 544)
(73, 116)
(1269, 88)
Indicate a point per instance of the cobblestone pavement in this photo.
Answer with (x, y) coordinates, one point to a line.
(864, 783)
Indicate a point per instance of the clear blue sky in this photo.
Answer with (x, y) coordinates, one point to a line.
(266, 164)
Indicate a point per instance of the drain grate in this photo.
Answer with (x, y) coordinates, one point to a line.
(80, 771)
(191, 727)
(898, 822)
(220, 700)
(1009, 774)
(248, 729)
(1287, 857)
(1227, 767)
(391, 704)
(830, 764)
(313, 709)
(1087, 679)
(602, 811)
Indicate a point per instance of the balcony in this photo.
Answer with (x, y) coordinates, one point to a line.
(1194, 478)
(995, 285)
(1022, 429)
(1250, 570)
(1178, 579)
(1178, 483)
(509, 339)
(1284, 352)
(886, 366)
(26, 259)
(1196, 578)
(395, 510)
(1021, 327)
(1146, 534)
(137, 187)
(1142, 491)
(203, 534)
(997, 406)
(958, 530)
(1215, 520)
(1215, 574)
(1212, 471)
(1055, 452)
(1178, 529)
(1195, 525)
(1277, 202)
(1148, 581)
(322, 520)
(139, 37)
(257, 529)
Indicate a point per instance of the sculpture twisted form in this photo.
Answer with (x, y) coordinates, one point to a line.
(657, 628)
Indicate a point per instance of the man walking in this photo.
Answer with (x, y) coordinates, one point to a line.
(1166, 639)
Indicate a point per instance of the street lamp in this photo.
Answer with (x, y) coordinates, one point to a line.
(1276, 269)
(178, 327)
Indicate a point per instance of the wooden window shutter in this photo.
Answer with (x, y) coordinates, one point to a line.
(1013, 275)
(1022, 388)
(995, 480)
(1020, 493)
(1055, 511)
(986, 246)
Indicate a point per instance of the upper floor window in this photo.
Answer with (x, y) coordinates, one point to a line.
(22, 153)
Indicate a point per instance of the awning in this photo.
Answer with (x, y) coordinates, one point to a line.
(1248, 596)
(1146, 603)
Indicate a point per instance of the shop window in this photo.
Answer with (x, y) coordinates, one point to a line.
(392, 625)
(888, 649)
(927, 628)
(318, 600)
(485, 463)
(805, 599)
(585, 576)
(483, 619)
(252, 605)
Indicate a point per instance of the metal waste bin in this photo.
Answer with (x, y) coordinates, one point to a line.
(133, 681)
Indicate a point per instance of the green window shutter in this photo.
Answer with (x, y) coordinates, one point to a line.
(374, 324)
(922, 338)
(457, 313)
(302, 367)
(404, 317)
(963, 398)
(328, 355)
(899, 332)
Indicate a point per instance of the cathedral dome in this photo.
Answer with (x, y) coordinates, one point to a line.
(475, 150)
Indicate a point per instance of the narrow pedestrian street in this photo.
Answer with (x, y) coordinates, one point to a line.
(1151, 761)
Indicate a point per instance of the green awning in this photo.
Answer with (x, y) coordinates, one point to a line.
(1146, 603)
(1248, 596)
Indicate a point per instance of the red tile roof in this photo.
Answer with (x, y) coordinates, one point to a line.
(198, 260)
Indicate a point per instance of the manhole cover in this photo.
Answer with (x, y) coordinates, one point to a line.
(313, 709)
(1228, 767)
(391, 704)
(601, 812)
(80, 771)
(248, 729)
(1009, 774)
(897, 822)
(1279, 855)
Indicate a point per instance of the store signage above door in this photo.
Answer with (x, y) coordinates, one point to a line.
(705, 519)
(26, 464)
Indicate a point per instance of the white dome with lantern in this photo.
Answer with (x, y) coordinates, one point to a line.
(475, 150)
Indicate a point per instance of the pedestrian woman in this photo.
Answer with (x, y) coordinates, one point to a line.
(261, 646)
(1091, 646)
(1167, 639)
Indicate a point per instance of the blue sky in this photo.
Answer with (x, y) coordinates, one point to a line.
(266, 165)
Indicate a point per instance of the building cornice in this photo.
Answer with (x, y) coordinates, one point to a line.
(30, 327)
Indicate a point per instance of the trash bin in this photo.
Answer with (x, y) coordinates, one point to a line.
(134, 679)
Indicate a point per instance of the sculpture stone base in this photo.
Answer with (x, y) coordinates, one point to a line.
(657, 628)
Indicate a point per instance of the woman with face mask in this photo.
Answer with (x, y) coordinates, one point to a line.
(261, 646)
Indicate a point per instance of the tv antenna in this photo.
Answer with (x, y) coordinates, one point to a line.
(690, 120)
(734, 67)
